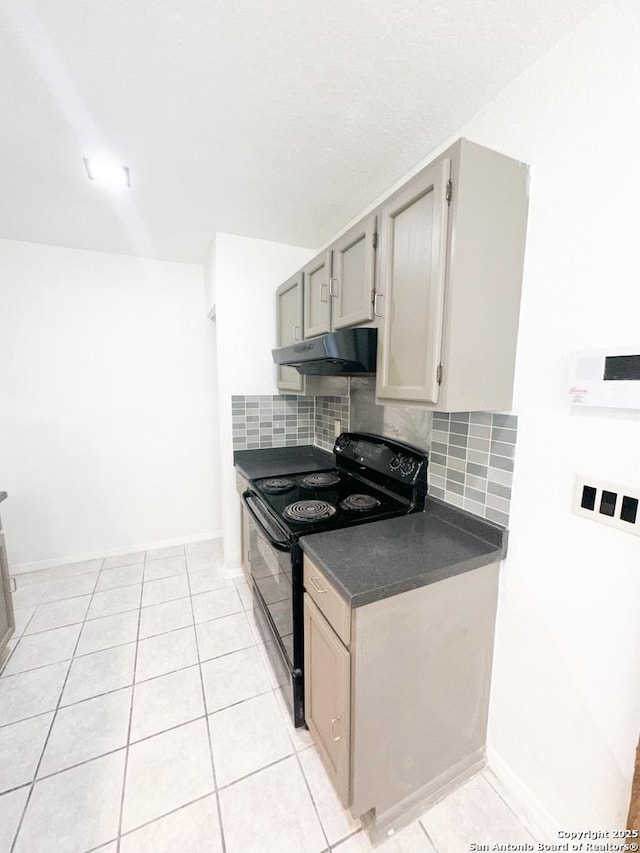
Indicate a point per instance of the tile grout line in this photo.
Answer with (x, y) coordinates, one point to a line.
(139, 740)
(84, 620)
(154, 819)
(296, 755)
(46, 741)
(133, 694)
(9, 656)
(13, 650)
(106, 616)
(55, 712)
(313, 799)
(134, 742)
(271, 764)
(336, 844)
(487, 779)
(19, 575)
(126, 686)
(204, 702)
(429, 838)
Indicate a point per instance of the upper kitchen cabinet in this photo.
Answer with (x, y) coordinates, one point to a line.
(289, 313)
(353, 275)
(317, 301)
(414, 243)
(339, 283)
(451, 259)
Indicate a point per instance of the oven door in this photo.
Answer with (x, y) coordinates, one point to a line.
(271, 573)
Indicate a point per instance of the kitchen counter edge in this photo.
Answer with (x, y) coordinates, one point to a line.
(404, 553)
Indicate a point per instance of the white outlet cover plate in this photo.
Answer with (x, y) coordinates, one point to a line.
(594, 514)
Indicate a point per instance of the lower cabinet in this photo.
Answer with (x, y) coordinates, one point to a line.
(397, 691)
(7, 621)
(327, 694)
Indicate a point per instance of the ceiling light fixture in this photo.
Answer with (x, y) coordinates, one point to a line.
(107, 172)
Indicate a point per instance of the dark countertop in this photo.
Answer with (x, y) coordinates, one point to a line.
(370, 562)
(3, 495)
(277, 461)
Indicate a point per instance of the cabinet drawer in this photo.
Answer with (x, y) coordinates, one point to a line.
(330, 603)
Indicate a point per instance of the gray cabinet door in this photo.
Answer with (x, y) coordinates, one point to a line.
(413, 260)
(317, 301)
(327, 695)
(352, 281)
(289, 322)
(7, 622)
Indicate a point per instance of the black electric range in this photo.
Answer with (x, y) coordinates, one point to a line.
(374, 478)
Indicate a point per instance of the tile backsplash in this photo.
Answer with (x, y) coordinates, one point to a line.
(272, 421)
(287, 420)
(328, 411)
(471, 454)
(471, 462)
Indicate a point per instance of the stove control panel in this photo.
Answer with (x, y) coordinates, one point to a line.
(407, 466)
(390, 458)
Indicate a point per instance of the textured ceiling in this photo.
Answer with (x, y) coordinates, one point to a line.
(278, 120)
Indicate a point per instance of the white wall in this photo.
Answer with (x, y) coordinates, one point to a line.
(247, 273)
(566, 694)
(107, 403)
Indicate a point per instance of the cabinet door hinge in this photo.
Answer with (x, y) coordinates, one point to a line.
(375, 239)
(449, 191)
(439, 375)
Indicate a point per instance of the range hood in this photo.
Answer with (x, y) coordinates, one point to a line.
(336, 353)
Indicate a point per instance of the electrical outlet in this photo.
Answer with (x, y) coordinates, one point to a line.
(337, 428)
(608, 503)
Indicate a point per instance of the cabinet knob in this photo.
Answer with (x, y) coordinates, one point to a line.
(376, 303)
(324, 289)
(296, 333)
(333, 286)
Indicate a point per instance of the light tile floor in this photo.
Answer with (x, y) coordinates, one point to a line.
(139, 714)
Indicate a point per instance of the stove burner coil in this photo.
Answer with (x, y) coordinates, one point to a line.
(277, 484)
(309, 510)
(321, 480)
(359, 503)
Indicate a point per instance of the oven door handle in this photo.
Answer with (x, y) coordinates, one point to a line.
(279, 544)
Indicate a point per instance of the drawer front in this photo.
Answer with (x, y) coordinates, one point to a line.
(330, 603)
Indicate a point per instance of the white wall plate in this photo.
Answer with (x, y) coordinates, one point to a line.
(608, 503)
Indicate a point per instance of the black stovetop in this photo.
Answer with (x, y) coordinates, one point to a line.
(389, 505)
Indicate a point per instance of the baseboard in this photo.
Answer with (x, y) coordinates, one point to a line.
(381, 825)
(522, 802)
(37, 565)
